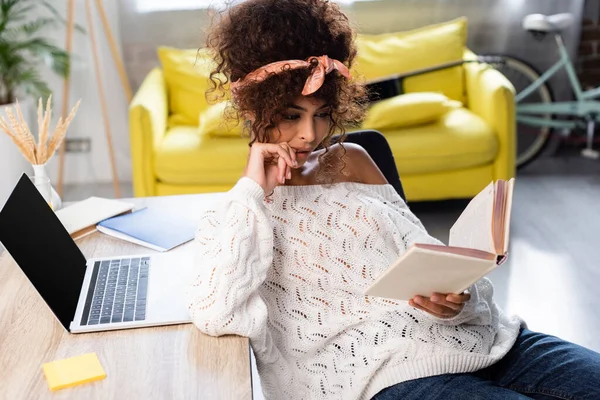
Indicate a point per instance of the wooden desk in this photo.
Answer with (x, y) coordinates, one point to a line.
(172, 362)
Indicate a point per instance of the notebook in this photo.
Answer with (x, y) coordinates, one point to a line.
(151, 227)
(80, 219)
(478, 244)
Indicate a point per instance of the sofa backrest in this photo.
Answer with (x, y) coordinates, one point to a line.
(400, 52)
(187, 71)
(187, 74)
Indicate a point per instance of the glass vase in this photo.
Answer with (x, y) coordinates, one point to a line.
(39, 171)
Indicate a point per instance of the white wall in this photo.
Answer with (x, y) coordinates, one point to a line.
(12, 163)
(94, 166)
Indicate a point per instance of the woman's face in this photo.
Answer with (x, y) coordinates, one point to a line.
(303, 126)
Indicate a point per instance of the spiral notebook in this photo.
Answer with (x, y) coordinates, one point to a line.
(151, 227)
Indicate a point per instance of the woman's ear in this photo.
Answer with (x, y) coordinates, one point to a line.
(248, 117)
(247, 120)
(247, 129)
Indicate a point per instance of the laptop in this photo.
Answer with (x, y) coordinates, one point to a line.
(98, 294)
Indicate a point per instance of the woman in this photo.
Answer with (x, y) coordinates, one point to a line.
(285, 257)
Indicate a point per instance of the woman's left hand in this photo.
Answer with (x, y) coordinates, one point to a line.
(441, 305)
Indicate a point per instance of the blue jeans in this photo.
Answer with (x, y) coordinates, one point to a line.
(538, 366)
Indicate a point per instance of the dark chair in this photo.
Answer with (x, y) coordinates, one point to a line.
(378, 148)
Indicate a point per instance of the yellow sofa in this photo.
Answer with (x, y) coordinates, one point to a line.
(467, 140)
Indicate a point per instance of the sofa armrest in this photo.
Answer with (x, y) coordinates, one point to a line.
(492, 97)
(148, 113)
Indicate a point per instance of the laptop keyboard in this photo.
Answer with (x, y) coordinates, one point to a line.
(117, 292)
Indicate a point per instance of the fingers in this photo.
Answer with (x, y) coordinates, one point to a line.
(440, 307)
(281, 170)
(413, 304)
(284, 151)
(287, 171)
(270, 164)
(272, 151)
(284, 157)
(456, 298)
(452, 301)
(291, 152)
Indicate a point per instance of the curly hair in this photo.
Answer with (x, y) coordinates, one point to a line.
(258, 32)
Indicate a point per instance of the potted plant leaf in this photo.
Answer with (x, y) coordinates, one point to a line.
(25, 51)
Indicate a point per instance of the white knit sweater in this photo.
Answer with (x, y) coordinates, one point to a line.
(290, 275)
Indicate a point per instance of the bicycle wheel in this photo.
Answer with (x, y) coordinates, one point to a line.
(531, 140)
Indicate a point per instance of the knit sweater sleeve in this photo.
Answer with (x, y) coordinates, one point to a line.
(234, 250)
(479, 309)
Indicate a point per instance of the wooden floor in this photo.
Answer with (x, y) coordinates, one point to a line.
(552, 277)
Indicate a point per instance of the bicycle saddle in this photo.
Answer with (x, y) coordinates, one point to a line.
(547, 23)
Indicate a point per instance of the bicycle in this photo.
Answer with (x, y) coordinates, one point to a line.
(536, 109)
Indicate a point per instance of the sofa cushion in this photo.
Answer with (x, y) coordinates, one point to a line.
(186, 157)
(187, 75)
(459, 139)
(399, 52)
(408, 109)
(213, 122)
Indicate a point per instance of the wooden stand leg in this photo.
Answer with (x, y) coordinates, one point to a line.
(66, 85)
(114, 50)
(89, 15)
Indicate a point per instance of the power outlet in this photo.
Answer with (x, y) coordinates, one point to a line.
(78, 145)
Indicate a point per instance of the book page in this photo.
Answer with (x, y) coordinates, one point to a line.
(89, 212)
(473, 228)
(498, 217)
(462, 251)
(508, 213)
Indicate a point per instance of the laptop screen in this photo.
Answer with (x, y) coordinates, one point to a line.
(43, 249)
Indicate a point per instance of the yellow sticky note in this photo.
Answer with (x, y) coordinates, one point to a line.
(73, 371)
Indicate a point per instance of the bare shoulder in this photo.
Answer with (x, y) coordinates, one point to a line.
(358, 163)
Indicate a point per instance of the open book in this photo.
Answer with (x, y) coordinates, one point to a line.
(478, 243)
(80, 219)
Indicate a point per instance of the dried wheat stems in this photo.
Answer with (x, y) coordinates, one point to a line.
(40, 152)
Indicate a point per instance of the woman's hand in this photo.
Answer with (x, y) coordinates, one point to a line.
(270, 164)
(441, 305)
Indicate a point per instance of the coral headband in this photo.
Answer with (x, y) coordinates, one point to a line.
(324, 65)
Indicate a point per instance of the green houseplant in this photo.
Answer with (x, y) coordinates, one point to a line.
(24, 49)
